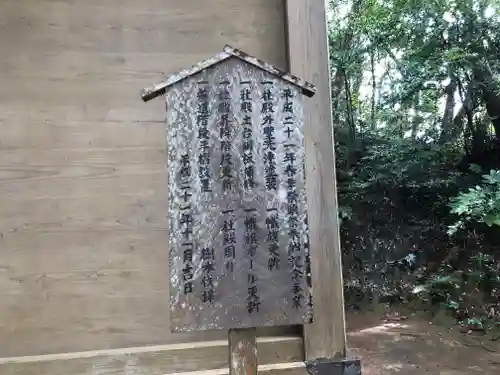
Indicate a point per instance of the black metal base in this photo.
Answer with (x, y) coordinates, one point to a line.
(325, 366)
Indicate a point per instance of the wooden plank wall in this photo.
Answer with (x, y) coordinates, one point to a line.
(212, 356)
(308, 56)
(83, 257)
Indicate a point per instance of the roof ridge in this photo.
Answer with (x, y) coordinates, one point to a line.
(159, 89)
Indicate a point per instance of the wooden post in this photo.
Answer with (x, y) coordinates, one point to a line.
(249, 277)
(308, 57)
(242, 352)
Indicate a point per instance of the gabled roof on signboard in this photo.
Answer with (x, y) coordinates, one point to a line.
(152, 92)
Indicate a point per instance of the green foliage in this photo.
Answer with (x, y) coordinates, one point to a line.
(416, 109)
(470, 295)
(480, 204)
(418, 45)
(403, 163)
(400, 174)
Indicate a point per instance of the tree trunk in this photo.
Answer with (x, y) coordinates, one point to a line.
(337, 86)
(490, 94)
(344, 45)
(374, 89)
(447, 121)
(417, 120)
(350, 112)
(355, 102)
(469, 104)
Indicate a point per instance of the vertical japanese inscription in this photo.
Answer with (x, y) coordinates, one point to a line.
(186, 223)
(207, 280)
(269, 141)
(202, 117)
(273, 227)
(237, 201)
(295, 254)
(246, 108)
(252, 243)
(225, 133)
(229, 240)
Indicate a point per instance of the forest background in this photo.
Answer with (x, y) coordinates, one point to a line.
(416, 107)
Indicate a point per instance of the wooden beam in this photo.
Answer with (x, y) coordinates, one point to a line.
(308, 58)
(291, 368)
(242, 352)
(274, 353)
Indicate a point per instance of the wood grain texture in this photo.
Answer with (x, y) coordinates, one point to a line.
(243, 355)
(153, 360)
(308, 57)
(83, 233)
(293, 368)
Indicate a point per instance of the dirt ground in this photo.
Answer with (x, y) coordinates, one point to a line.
(397, 343)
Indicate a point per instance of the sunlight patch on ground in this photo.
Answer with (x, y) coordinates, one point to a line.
(397, 367)
(381, 328)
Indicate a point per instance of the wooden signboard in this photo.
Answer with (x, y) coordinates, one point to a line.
(237, 201)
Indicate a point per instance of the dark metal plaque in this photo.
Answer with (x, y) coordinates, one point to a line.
(337, 366)
(237, 201)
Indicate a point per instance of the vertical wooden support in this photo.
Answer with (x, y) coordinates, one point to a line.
(308, 57)
(242, 351)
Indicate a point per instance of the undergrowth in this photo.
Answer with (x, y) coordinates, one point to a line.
(470, 295)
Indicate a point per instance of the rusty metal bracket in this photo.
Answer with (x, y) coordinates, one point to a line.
(323, 366)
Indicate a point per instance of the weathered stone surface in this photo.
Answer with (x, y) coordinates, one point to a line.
(236, 196)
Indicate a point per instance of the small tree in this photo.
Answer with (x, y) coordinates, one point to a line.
(481, 204)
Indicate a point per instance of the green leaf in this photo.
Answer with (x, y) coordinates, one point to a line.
(492, 220)
(475, 168)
